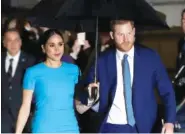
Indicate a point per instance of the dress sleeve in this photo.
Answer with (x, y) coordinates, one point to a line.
(78, 75)
(29, 80)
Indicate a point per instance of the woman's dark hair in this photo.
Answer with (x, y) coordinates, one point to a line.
(47, 34)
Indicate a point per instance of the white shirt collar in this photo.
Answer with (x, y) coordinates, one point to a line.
(120, 54)
(15, 58)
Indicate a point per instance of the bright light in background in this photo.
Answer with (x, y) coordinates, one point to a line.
(171, 8)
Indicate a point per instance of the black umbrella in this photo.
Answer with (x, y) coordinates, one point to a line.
(56, 23)
(43, 14)
(13, 11)
(80, 15)
(76, 15)
(137, 10)
(91, 13)
(46, 8)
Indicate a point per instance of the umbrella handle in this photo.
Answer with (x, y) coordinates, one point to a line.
(94, 93)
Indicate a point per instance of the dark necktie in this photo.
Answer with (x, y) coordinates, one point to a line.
(10, 69)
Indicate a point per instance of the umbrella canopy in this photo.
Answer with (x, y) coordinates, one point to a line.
(76, 15)
(81, 14)
(46, 8)
(139, 11)
(13, 11)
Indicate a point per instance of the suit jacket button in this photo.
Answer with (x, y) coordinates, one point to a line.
(10, 98)
(10, 87)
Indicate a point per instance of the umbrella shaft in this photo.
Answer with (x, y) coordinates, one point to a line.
(96, 51)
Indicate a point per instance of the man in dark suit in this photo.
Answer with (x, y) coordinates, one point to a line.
(180, 73)
(127, 76)
(181, 43)
(180, 79)
(13, 65)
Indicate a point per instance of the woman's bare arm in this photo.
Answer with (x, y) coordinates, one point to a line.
(24, 110)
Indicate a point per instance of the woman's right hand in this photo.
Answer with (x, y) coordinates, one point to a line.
(76, 47)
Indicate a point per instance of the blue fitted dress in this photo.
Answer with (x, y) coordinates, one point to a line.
(53, 93)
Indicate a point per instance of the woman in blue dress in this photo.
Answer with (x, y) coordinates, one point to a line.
(52, 84)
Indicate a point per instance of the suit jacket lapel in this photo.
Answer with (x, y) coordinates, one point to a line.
(112, 72)
(3, 62)
(20, 64)
(137, 75)
(137, 62)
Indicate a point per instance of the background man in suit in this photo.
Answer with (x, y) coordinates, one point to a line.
(13, 64)
(181, 43)
(180, 80)
(127, 76)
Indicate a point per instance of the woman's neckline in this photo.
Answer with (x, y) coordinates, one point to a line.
(52, 67)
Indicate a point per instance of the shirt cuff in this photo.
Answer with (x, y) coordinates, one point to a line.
(90, 102)
(81, 108)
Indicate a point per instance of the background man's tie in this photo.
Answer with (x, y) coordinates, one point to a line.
(10, 68)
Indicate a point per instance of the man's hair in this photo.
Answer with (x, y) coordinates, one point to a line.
(118, 22)
(11, 30)
(183, 11)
